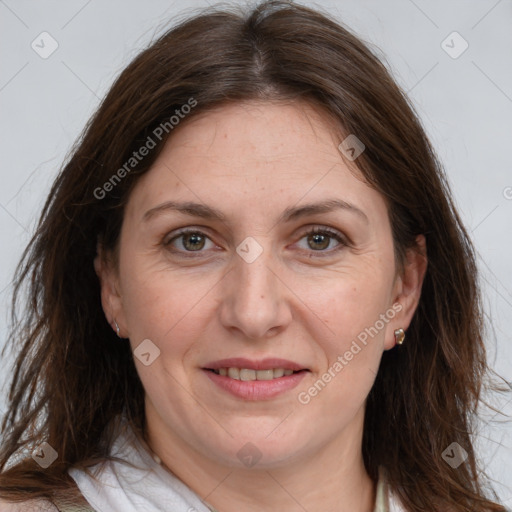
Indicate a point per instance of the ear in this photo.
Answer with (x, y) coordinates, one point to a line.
(407, 289)
(111, 299)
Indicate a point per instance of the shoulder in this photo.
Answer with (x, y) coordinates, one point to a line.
(42, 506)
(27, 506)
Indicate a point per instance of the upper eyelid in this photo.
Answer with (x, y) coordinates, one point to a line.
(305, 230)
(184, 231)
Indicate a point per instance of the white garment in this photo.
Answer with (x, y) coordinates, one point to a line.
(149, 487)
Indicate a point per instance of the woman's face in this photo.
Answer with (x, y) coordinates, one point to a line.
(253, 288)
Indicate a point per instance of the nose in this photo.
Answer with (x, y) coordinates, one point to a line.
(255, 299)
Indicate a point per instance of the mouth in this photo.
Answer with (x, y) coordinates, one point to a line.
(240, 368)
(255, 380)
(248, 374)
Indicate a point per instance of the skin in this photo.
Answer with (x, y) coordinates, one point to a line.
(252, 161)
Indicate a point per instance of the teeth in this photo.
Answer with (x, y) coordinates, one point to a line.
(264, 374)
(234, 373)
(247, 374)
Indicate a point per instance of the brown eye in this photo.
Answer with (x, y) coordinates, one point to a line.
(193, 241)
(189, 241)
(318, 241)
(322, 241)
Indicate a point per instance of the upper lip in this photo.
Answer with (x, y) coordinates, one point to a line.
(263, 364)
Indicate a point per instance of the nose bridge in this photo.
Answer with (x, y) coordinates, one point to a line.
(254, 301)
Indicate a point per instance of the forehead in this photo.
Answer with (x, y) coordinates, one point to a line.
(264, 134)
(255, 153)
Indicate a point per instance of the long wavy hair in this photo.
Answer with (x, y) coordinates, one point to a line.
(72, 378)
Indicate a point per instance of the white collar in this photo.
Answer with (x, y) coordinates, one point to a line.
(143, 484)
(114, 486)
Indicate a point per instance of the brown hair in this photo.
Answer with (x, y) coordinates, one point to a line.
(73, 377)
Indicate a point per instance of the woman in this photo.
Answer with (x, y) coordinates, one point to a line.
(249, 290)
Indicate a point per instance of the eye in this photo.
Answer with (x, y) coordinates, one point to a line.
(189, 241)
(319, 239)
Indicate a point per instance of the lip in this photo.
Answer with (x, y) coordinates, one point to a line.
(263, 364)
(256, 389)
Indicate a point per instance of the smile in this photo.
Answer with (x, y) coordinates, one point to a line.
(254, 380)
(248, 374)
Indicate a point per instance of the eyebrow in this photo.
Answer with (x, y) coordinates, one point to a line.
(293, 213)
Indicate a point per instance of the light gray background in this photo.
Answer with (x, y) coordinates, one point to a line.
(465, 104)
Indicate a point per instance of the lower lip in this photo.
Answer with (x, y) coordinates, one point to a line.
(257, 389)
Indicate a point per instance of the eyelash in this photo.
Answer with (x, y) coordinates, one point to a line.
(342, 241)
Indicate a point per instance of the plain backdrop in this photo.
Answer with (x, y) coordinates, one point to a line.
(461, 86)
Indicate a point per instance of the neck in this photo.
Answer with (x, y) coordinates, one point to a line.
(332, 478)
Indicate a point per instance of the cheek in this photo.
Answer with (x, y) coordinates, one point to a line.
(165, 306)
(171, 311)
(357, 313)
(351, 306)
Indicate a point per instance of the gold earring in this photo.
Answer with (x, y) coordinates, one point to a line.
(399, 336)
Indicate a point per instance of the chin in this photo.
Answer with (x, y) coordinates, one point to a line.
(258, 451)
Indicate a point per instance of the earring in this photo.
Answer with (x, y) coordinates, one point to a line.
(399, 336)
(117, 328)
